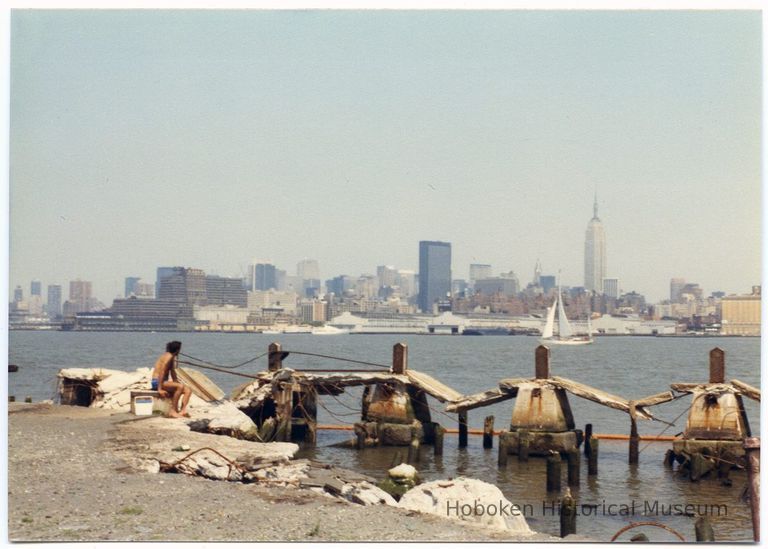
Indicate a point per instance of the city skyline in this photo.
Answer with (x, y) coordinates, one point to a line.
(141, 139)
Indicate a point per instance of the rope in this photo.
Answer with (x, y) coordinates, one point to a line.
(218, 369)
(387, 366)
(223, 366)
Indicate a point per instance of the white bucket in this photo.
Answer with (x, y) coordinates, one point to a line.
(142, 405)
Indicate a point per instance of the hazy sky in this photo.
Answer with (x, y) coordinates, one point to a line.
(212, 138)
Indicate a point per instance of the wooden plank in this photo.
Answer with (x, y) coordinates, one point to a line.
(200, 384)
(486, 398)
(595, 395)
(746, 390)
(432, 387)
(653, 400)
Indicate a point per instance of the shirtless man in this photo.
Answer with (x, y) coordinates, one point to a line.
(165, 367)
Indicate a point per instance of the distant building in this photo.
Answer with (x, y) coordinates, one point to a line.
(313, 311)
(675, 289)
(434, 273)
(479, 271)
(262, 276)
(611, 287)
(18, 294)
(387, 275)
(594, 254)
(185, 285)
(537, 274)
(308, 269)
(225, 291)
(547, 282)
(339, 285)
(286, 302)
(163, 272)
(497, 285)
(459, 287)
(741, 314)
(35, 288)
(130, 285)
(54, 300)
(407, 281)
(144, 289)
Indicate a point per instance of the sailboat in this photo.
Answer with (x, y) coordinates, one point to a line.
(565, 335)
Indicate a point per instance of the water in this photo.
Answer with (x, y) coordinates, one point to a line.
(631, 367)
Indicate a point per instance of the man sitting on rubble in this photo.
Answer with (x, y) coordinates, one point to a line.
(165, 368)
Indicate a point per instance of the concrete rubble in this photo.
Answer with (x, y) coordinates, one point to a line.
(466, 499)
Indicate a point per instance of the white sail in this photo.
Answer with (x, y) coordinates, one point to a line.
(549, 327)
(564, 327)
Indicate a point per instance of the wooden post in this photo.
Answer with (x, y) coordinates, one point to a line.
(399, 358)
(567, 514)
(553, 472)
(503, 449)
(587, 438)
(28, 400)
(12, 398)
(634, 438)
(275, 357)
(704, 530)
(752, 449)
(284, 411)
(523, 444)
(717, 365)
(439, 437)
(488, 432)
(574, 463)
(592, 459)
(463, 429)
(361, 436)
(542, 362)
(414, 455)
(669, 458)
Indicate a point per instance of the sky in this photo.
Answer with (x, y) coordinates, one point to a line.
(211, 139)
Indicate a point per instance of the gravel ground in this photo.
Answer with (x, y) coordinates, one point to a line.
(64, 484)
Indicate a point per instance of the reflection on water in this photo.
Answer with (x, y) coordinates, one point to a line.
(630, 367)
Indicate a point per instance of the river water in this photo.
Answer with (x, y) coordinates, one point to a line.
(631, 367)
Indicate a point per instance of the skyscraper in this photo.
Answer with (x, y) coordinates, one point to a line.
(676, 286)
(479, 271)
(434, 273)
(54, 300)
(594, 254)
(308, 269)
(130, 285)
(35, 288)
(262, 276)
(611, 287)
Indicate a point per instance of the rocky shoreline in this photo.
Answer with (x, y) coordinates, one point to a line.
(89, 474)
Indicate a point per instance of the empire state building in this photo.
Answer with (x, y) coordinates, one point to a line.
(594, 254)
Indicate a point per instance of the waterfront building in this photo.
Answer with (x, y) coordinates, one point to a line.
(264, 299)
(434, 273)
(594, 254)
(611, 287)
(130, 285)
(216, 315)
(479, 271)
(35, 288)
(741, 314)
(313, 311)
(675, 289)
(54, 300)
(134, 314)
(225, 291)
(308, 269)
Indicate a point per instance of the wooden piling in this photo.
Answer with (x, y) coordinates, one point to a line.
(275, 360)
(717, 365)
(399, 358)
(463, 429)
(574, 462)
(704, 531)
(699, 466)
(28, 400)
(12, 398)
(592, 458)
(634, 438)
(567, 515)
(284, 411)
(523, 444)
(414, 455)
(439, 437)
(587, 439)
(669, 458)
(542, 362)
(553, 472)
(361, 436)
(503, 449)
(752, 450)
(488, 432)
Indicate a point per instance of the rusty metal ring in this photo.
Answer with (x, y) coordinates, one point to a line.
(646, 523)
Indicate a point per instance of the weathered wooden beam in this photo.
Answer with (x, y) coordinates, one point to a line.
(542, 362)
(399, 358)
(432, 387)
(511, 384)
(653, 400)
(717, 365)
(746, 390)
(486, 398)
(595, 395)
(275, 359)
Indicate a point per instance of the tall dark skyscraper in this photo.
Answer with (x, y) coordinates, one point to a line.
(262, 276)
(434, 273)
